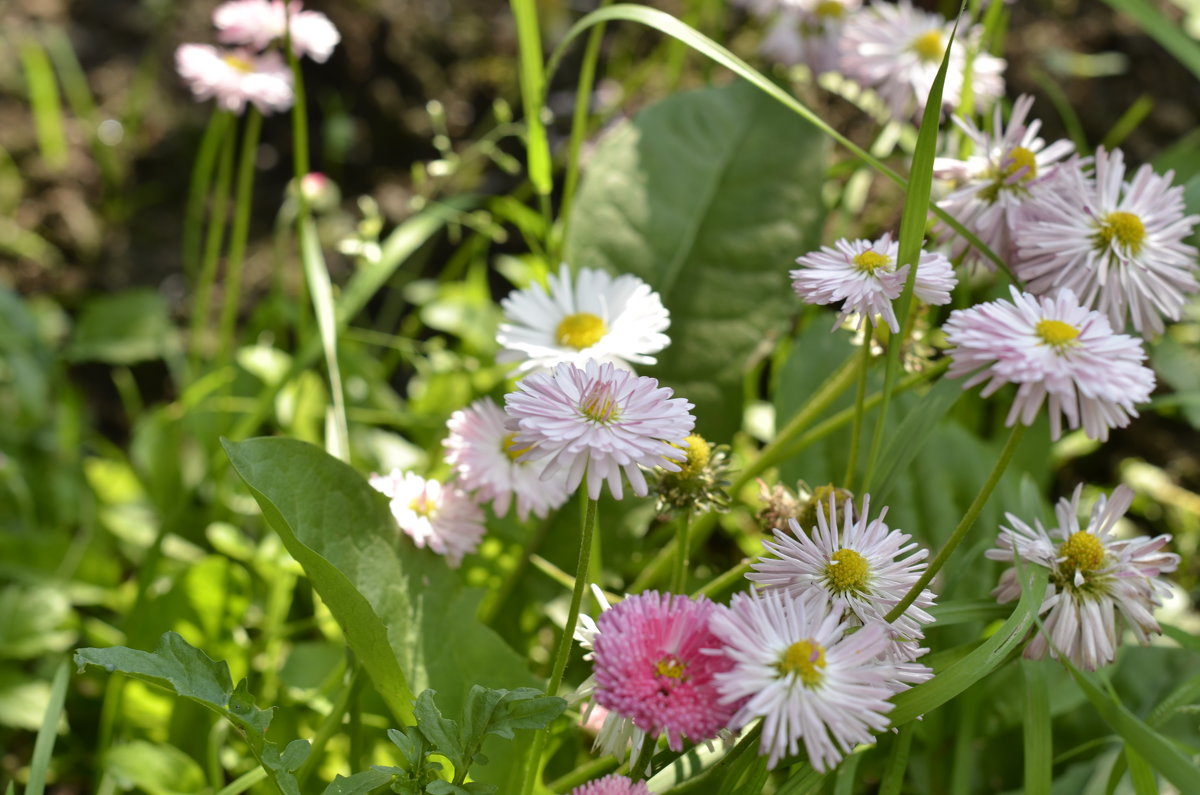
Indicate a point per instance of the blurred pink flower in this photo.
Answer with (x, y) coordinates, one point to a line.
(258, 23)
(441, 517)
(235, 77)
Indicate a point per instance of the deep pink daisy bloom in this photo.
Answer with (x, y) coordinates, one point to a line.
(654, 663)
(612, 785)
(598, 421)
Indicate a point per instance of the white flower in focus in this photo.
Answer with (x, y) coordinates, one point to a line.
(1051, 348)
(799, 668)
(594, 316)
(865, 569)
(1094, 576)
(598, 421)
(897, 50)
(997, 179)
(235, 77)
(441, 517)
(862, 275)
(259, 23)
(1117, 244)
(480, 449)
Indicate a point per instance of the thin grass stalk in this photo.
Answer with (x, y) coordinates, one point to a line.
(202, 176)
(219, 211)
(243, 199)
(533, 83)
(860, 394)
(579, 129)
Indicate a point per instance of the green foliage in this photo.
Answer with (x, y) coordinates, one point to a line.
(707, 196)
(125, 328)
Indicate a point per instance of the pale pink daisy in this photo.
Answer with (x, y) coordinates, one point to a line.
(235, 77)
(897, 50)
(799, 667)
(592, 315)
(1051, 348)
(1117, 244)
(441, 517)
(612, 784)
(862, 275)
(808, 32)
(992, 184)
(480, 450)
(1094, 577)
(259, 23)
(865, 569)
(653, 664)
(599, 421)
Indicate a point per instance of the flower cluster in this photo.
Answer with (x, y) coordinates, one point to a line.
(1097, 580)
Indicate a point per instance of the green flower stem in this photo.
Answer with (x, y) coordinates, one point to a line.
(202, 175)
(237, 235)
(960, 532)
(859, 408)
(731, 579)
(212, 249)
(679, 576)
(244, 782)
(563, 651)
(637, 768)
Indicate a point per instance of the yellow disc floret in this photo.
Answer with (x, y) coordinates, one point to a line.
(830, 9)
(240, 64)
(871, 261)
(671, 667)
(513, 453)
(699, 451)
(1021, 158)
(1083, 552)
(600, 405)
(928, 46)
(1056, 332)
(805, 659)
(1125, 228)
(580, 330)
(848, 572)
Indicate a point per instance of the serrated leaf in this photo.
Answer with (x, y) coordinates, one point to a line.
(709, 197)
(360, 783)
(442, 733)
(499, 712)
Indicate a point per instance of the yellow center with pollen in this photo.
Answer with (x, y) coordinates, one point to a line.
(421, 505)
(871, 261)
(830, 9)
(513, 452)
(671, 667)
(1125, 228)
(848, 572)
(1021, 158)
(1056, 332)
(580, 330)
(600, 405)
(1083, 552)
(699, 452)
(805, 659)
(928, 46)
(240, 64)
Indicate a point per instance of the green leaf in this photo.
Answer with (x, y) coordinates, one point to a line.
(126, 328)
(500, 711)
(43, 747)
(912, 435)
(360, 783)
(708, 196)
(1140, 774)
(45, 103)
(154, 768)
(394, 602)
(441, 732)
(1038, 737)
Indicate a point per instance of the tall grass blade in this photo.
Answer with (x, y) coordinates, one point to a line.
(1037, 736)
(45, 103)
(533, 81)
(1167, 33)
(43, 746)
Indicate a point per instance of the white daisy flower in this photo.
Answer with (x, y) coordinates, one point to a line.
(862, 275)
(259, 23)
(897, 50)
(1094, 576)
(441, 517)
(1119, 245)
(599, 421)
(1051, 348)
(596, 316)
(808, 32)
(799, 668)
(480, 450)
(865, 569)
(996, 180)
(235, 77)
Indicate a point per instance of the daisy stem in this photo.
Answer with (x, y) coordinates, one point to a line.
(679, 576)
(243, 199)
(202, 175)
(956, 537)
(860, 395)
(563, 650)
(638, 768)
(212, 247)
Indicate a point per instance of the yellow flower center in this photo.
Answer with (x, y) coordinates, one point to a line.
(830, 9)
(421, 505)
(1083, 552)
(1125, 228)
(804, 658)
(240, 64)
(1021, 158)
(871, 261)
(1056, 332)
(671, 667)
(699, 451)
(600, 405)
(848, 572)
(513, 453)
(580, 330)
(928, 46)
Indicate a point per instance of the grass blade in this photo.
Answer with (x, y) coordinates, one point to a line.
(1166, 33)
(1038, 738)
(533, 81)
(43, 747)
(45, 103)
(897, 763)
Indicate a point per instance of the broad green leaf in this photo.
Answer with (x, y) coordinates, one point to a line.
(154, 768)
(708, 196)
(125, 328)
(406, 615)
(442, 732)
(500, 711)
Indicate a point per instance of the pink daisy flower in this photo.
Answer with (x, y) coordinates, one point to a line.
(441, 517)
(259, 23)
(235, 77)
(599, 421)
(612, 784)
(1051, 348)
(862, 275)
(485, 462)
(654, 664)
